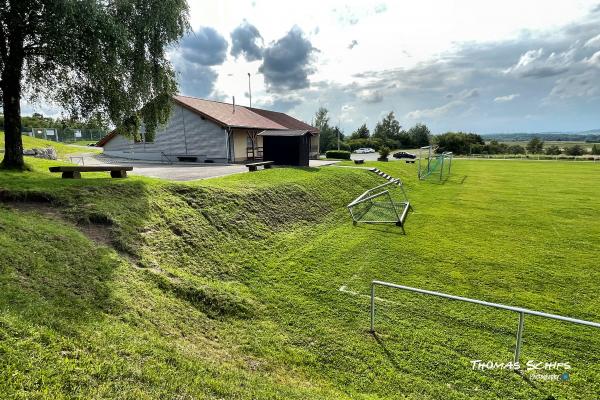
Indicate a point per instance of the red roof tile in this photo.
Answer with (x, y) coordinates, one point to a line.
(224, 114)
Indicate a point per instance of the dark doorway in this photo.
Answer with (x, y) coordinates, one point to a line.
(286, 147)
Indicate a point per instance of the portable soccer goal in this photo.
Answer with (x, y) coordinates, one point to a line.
(383, 204)
(432, 164)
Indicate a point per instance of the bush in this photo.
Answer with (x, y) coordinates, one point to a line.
(516, 149)
(553, 150)
(576, 150)
(340, 154)
(384, 152)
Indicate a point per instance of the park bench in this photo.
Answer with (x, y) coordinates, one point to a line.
(410, 161)
(254, 166)
(359, 161)
(74, 172)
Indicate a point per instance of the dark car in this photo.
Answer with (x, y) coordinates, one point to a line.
(403, 154)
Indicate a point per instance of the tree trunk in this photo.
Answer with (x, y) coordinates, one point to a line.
(12, 74)
(11, 103)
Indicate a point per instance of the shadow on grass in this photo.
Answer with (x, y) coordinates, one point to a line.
(388, 354)
(389, 229)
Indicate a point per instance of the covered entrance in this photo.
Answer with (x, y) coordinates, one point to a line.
(287, 147)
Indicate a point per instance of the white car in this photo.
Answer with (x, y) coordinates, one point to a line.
(364, 150)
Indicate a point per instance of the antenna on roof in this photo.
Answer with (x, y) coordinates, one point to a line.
(233, 104)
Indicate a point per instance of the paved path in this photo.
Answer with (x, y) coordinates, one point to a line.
(178, 171)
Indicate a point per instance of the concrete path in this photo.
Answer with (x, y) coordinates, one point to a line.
(180, 171)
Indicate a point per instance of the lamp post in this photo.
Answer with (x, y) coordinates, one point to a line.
(249, 90)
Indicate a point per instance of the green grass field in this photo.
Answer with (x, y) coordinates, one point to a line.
(230, 287)
(547, 143)
(63, 150)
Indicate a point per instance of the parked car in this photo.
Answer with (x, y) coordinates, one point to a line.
(364, 150)
(403, 154)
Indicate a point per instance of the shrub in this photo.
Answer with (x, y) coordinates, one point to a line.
(516, 149)
(553, 150)
(384, 152)
(341, 154)
(575, 150)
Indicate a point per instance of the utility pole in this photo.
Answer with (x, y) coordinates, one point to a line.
(249, 90)
(338, 133)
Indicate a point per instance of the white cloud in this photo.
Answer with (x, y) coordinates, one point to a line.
(593, 42)
(348, 113)
(437, 112)
(533, 64)
(507, 98)
(593, 60)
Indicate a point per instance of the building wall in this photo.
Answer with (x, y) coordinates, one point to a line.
(314, 147)
(240, 144)
(186, 133)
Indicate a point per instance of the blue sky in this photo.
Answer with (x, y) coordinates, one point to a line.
(482, 66)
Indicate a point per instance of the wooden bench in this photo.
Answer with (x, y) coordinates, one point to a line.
(74, 172)
(254, 166)
(359, 161)
(187, 158)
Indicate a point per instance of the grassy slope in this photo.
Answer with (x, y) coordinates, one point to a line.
(229, 287)
(63, 150)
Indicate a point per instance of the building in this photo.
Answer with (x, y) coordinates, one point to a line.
(210, 131)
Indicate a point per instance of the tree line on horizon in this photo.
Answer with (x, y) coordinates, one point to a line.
(388, 133)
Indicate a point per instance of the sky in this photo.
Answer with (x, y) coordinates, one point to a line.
(478, 66)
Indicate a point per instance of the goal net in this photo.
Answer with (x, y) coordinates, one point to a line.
(382, 204)
(432, 164)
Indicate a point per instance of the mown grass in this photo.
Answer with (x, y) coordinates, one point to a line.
(63, 151)
(229, 287)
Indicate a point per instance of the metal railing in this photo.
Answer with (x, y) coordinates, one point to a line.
(521, 311)
(80, 158)
(164, 156)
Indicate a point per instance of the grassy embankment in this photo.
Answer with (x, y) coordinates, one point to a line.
(228, 287)
(63, 150)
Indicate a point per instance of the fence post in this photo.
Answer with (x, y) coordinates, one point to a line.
(372, 307)
(519, 336)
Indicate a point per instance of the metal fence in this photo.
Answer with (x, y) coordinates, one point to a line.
(65, 134)
(519, 310)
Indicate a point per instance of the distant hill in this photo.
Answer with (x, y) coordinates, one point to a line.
(592, 135)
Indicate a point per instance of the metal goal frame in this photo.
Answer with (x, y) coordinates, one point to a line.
(383, 204)
(434, 164)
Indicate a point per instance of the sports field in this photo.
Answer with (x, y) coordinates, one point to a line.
(256, 285)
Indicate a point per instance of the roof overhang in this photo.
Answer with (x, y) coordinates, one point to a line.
(286, 133)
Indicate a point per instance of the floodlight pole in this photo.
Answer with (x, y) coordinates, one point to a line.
(249, 90)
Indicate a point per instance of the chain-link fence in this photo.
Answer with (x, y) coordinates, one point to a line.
(65, 135)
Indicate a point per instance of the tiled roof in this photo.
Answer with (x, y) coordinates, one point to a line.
(224, 114)
(285, 120)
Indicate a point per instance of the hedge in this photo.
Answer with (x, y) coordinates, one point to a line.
(341, 154)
